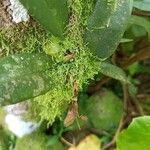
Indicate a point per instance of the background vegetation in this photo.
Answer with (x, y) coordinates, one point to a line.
(84, 72)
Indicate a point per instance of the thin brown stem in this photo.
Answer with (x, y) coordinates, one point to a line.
(66, 142)
(141, 13)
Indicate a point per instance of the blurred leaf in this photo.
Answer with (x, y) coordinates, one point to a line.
(106, 26)
(143, 69)
(113, 71)
(133, 68)
(53, 14)
(136, 136)
(142, 4)
(143, 22)
(36, 141)
(138, 31)
(128, 47)
(91, 142)
(138, 68)
(53, 140)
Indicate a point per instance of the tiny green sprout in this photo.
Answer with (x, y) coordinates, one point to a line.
(51, 47)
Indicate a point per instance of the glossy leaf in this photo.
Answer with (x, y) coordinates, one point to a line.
(113, 71)
(23, 76)
(142, 4)
(52, 14)
(136, 136)
(106, 26)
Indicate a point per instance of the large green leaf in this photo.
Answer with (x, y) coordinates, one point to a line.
(106, 26)
(142, 4)
(23, 76)
(113, 71)
(137, 136)
(52, 14)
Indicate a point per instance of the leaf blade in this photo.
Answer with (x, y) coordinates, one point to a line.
(113, 72)
(53, 15)
(23, 76)
(106, 26)
(136, 136)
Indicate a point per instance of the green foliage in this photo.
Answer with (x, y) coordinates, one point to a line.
(143, 22)
(62, 72)
(82, 67)
(104, 110)
(3, 140)
(63, 76)
(142, 4)
(136, 136)
(51, 47)
(106, 26)
(6, 138)
(36, 141)
(79, 29)
(53, 15)
(22, 77)
(113, 71)
(2, 117)
(133, 68)
(19, 39)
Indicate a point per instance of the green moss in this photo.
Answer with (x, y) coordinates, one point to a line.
(82, 67)
(22, 38)
(36, 141)
(107, 110)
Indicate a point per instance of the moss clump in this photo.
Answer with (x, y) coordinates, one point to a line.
(22, 38)
(107, 110)
(80, 68)
(36, 141)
